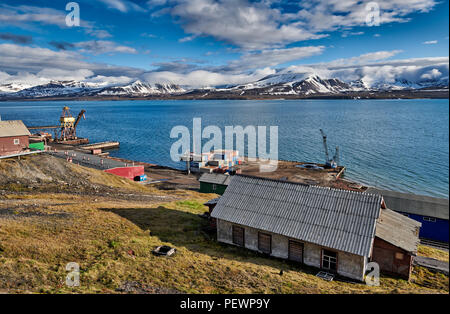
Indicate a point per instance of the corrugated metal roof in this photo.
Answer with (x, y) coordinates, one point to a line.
(338, 219)
(398, 230)
(215, 178)
(414, 204)
(13, 128)
(212, 202)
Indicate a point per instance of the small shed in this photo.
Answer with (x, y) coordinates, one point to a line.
(14, 137)
(396, 241)
(431, 212)
(214, 183)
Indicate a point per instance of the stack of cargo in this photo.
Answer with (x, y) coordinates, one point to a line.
(214, 161)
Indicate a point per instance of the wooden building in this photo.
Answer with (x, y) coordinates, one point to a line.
(214, 183)
(395, 245)
(333, 230)
(431, 212)
(14, 137)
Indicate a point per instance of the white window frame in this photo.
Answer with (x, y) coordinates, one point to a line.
(214, 187)
(429, 219)
(16, 141)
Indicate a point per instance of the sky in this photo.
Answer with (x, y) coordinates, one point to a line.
(200, 43)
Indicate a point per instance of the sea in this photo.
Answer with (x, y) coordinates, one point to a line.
(400, 145)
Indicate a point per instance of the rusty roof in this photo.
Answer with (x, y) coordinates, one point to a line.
(337, 219)
(13, 128)
(398, 230)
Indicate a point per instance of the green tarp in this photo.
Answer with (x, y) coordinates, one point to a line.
(38, 146)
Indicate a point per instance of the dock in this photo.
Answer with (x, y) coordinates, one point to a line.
(101, 146)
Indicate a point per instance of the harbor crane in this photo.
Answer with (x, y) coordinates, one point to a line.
(333, 162)
(69, 124)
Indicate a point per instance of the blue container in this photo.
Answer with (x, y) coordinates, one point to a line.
(141, 178)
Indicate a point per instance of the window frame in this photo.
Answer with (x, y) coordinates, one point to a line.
(429, 219)
(16, 141)
(214, 187)
(323, 256)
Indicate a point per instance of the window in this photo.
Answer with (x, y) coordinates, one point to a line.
(238, 235)
(329, 260)
(399, 255)
(429, 219)
(265, 242)
(16, 141)
(214, 187)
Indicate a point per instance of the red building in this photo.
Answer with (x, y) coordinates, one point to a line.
(14, 137)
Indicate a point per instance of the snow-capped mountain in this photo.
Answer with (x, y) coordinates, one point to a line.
(77, 89)
(56, 88)
(304, 85)
(139, 88)
(289, 84)
(13, 87)
(294, 84)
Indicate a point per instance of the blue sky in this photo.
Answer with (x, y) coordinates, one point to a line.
(210, 42)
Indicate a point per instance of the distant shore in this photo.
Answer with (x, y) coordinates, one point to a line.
(214, 95)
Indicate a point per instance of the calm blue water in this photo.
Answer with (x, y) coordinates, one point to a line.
(395, 144)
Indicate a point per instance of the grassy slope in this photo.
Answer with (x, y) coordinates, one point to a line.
(112, 239)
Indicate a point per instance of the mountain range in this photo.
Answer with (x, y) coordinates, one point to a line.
(291, 85)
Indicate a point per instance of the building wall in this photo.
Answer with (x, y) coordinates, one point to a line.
(437, 230)
(208, 188)
(7, 145)
(385, 255)
(349, 265)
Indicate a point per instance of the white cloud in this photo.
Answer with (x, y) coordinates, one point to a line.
(273, 57)
(123, 6)
(432, 74)
(39, 65)
(103, 46)
(430, 42)
(261, 24)
(60, 74)
(415, 70)
(202, 78)
(26, 15)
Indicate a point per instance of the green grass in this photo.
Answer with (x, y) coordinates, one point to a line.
(112, 241)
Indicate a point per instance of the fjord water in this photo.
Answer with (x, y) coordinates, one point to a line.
(400, 145)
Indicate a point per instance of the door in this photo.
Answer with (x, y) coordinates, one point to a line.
(265, 242)
(296, 251)
(238, 235)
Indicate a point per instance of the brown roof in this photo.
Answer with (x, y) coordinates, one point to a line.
(13, 128)
(398, 230)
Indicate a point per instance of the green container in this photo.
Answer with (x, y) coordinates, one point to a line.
(38, 146)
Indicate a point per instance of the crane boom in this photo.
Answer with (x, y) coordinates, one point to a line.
(325, 145)
(81, 114)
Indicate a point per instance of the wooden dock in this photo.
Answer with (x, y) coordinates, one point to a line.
(101, 145)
